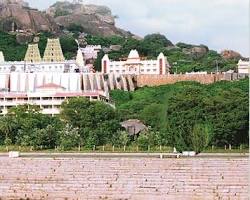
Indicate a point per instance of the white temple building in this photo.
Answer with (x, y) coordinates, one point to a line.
(49, 89)
(135, 65)
(53, 60)
(91, 51)
(243, 67)
(48, 81)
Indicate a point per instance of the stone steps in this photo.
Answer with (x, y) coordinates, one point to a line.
(124, 178)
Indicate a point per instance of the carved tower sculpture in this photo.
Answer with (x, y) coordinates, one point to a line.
(53, 51)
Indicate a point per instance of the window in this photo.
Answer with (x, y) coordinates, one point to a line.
(148, 70)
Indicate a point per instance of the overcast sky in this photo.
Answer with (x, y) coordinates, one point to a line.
(219, 24)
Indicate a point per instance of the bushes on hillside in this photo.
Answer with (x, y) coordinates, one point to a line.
(186, 115)
(216, 114)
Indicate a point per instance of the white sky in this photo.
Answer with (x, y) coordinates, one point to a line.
(219, 24)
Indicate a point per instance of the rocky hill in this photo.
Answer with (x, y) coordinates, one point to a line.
(230, 54)
(17, 15)
(96, 20)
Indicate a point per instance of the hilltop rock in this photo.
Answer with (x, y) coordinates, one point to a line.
(16, 15)
(194, 50)
(96, 20)
(115, 47)
(24, 38)
(230, 54)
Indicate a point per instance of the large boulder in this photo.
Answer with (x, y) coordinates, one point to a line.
(16, 15)
(115, 47)
(195, 51)
(24, 38)
(230, 54)
(96, 20)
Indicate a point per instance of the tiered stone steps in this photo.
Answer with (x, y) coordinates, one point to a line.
(124, 178)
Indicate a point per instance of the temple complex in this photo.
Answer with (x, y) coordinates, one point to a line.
(135, 65)
(53, 60)
(48, 81)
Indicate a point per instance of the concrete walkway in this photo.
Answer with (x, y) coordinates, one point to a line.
(126, 155)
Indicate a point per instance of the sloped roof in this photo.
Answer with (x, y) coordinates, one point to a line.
(133, 126)
(133, 54)
(50, 86)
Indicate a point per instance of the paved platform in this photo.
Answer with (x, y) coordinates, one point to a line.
(120, 178)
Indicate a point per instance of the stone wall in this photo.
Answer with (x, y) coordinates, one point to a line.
(156, 80)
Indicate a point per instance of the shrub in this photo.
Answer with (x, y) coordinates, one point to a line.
(201, 135)
(143, 141)
(68, 137)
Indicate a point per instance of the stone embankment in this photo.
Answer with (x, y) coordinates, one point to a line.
(156, 80)
(124, 178)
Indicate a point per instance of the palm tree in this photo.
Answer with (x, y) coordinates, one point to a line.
(7, 126)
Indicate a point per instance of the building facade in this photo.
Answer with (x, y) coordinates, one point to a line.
(135, 65)
(48, 90)
(48, 97)
(243, 67)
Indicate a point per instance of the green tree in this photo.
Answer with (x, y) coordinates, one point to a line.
(98, 61)
(8, 127)
(69, 137)
(152, 44)
(201, 136)
(46, 137)
(93, 119)
(143, 141)
(123, 138)
(69, 46)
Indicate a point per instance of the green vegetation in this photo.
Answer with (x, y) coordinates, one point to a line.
(185, 115)
(60, 12)
(16, 52)
(11, 49)
(81, 122)
(190, 115)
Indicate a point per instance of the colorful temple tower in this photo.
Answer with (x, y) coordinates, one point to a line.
(53, 51)
(32, 54)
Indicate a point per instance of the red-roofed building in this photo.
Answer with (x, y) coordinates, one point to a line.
(50, 87)
(50, 101)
